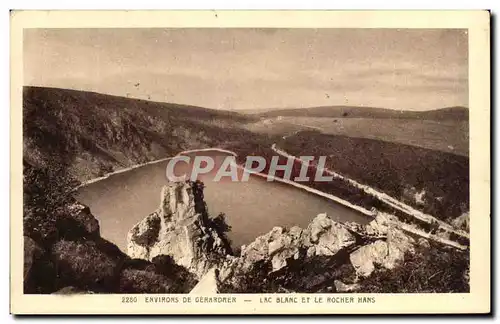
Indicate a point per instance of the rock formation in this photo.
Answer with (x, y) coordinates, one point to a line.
(180, 228)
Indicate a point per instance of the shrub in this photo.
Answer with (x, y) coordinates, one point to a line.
(162, 275)
(84, 265)
(46, 196)
(144, 281)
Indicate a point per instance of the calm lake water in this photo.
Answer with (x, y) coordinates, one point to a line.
(252, 208)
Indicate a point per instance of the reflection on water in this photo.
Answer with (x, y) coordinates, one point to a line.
(252, 208)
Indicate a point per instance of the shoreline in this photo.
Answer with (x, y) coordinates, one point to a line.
(297, 185)
(107, 175)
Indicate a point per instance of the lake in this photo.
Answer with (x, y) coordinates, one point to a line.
(252, 208)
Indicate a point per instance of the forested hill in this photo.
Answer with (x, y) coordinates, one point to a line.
(94, 133)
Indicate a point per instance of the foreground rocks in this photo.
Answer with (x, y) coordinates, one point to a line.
(377, 244)
(323, 237)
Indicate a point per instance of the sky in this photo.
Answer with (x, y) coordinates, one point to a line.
(241, 69)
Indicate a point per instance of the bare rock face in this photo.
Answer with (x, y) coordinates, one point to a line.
(180, 228)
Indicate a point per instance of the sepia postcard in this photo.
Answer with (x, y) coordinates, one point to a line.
(250, 162)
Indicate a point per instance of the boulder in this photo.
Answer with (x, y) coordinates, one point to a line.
(325, 237)
(386, 254)
(422, 242)
(368, 256)
(208, 284)
(379, 226)
(276, 247)
(180, 228)
(399, 244)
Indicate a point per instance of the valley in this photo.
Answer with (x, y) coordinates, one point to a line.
(91, 135)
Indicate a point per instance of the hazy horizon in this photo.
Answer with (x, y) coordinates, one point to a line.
(256, 69)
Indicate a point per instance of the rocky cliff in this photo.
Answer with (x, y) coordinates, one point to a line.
(180, 228)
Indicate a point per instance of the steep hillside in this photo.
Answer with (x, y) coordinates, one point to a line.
(94, 133)
(432, 181)
(450, 113)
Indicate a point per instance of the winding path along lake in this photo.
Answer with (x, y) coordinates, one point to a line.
(252, 208)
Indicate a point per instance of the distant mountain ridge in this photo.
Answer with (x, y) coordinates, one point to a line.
(448, 113)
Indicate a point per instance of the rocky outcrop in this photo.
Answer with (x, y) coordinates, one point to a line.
(180, 228)
(321, 255)
(79, 261)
